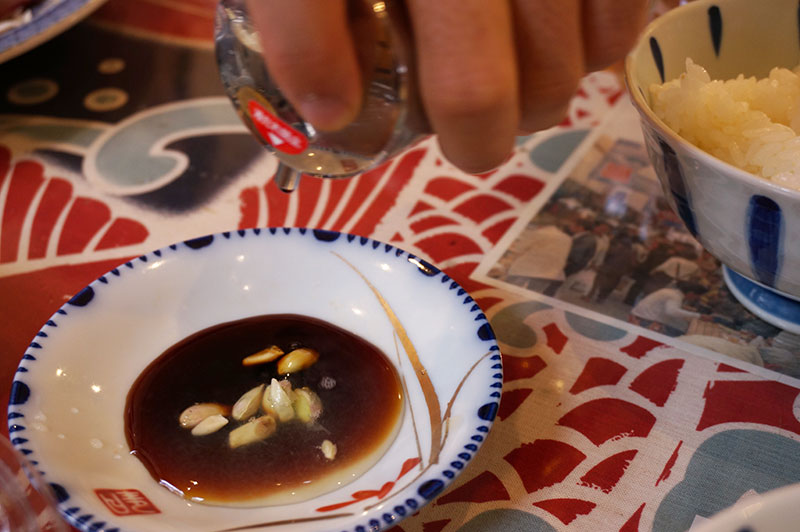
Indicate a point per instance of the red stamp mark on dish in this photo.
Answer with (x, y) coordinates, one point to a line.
(278, 133)
(127, 502)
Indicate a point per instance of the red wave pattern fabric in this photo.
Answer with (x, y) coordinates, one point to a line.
(511, 401)
(479, 208)
(26, 178)
(640, 347)
(667, 471)
(85, 218)
(632, 524)
(598, 372)
(556, 340)
(657, 382)
(432, 526)
(725, 368)
(459, 201)
(543, 463)
(520, 186)
(605, 475)
(432, 222)
(54, 201)
(566, 510)
(764, 402)
(496, 231)
(55, 214)
(447, 188)
(515, 368)
(365, 200)
(485, 487)
(609, 418)
(122, 232)
(445, 246)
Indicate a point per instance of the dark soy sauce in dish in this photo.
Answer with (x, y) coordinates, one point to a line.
(359, 388)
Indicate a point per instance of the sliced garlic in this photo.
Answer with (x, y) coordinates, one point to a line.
(262, 357)
(307, 405)
(328, 449)
(297, 360)
(210, 425)
(287, 387)
(193, 415)
(248, 404)
(256, 430)
(277, 402)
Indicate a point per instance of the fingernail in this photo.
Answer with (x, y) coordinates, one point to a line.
(327, 113)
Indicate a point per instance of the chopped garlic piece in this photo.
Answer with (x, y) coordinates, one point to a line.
(262, 357)
(253, 431)
(277, 402)
(193, 415)
(248, 404)
(307, 405)
(328, 449)
(297, 360)
(210, 425)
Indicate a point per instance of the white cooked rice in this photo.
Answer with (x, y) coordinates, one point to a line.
(750, 123)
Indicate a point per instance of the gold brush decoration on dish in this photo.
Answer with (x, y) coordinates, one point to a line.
(431, 398)
(438, 439)
(410, 409)
(446, 421)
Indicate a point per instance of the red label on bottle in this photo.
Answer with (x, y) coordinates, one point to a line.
(275, 131)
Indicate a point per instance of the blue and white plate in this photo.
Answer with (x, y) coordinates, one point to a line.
(771, 306)
(48, 20)
(68, 397)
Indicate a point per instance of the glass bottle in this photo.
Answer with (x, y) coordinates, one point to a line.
(391, 116)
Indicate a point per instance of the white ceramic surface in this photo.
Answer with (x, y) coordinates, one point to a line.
(47, 21)
(747, 222)
(67, 402)
(774, 511)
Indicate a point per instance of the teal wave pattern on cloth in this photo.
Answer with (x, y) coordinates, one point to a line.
(509, 323)
(554, 152)
(504, 520)
(724, 468)
(594, 329)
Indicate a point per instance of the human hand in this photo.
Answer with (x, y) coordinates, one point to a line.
(488, 69)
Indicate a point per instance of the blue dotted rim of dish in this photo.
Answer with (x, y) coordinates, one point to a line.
(43, 18)
(428, 488)
(771, 306)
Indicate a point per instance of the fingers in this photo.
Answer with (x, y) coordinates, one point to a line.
(468, 78)
(486, 69)
(309, 49)
(550, 56)
(610, 28)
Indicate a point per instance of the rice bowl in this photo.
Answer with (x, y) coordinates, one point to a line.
(727, 167)
(750, 123)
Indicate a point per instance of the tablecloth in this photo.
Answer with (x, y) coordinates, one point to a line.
(116, 139)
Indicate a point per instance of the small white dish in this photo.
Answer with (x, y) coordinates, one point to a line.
(775, 511)
(67, 403)
(47, 21)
